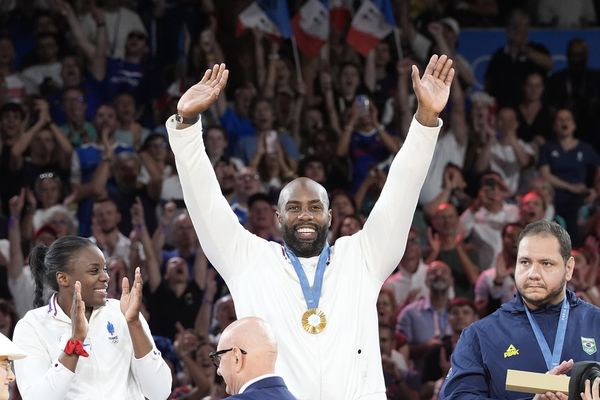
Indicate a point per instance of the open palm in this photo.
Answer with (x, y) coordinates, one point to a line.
(203, 94)
(433, 88)
(131, 300)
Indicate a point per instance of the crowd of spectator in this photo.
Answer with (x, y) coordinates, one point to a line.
(85, 88)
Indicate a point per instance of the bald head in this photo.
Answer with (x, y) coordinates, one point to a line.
(254, 352)
(289, 191)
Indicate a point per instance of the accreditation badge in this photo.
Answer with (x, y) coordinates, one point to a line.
(314, 321)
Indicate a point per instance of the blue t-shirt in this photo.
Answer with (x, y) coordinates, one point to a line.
(366, 151)
(236, 127)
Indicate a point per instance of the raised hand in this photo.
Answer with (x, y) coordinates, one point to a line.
(79, 323)
(16, 204)
(203, 94)
(131, 299)
(433, 88)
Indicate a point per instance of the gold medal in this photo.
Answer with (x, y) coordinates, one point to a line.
(314, 321)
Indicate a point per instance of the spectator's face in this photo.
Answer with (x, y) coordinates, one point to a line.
(87, 265)
(7, 52)
(507, 121)
(126, 173)
(216, 143)
(445, 220)
(125, 107)
(564, 124)
(304, 218)
(350, 226)
(531, 208)
(243, 100)
(412, 254)
(342, 206)
(534, 87)
(491, 194)
(183, 231)
(460, 317)
(157, 148)
(226, 177)
(47, 49)
(176, 271)
(349, 80)
(247, 182)
(74, 105)
(49, 192)
(510, 241)
(203, 360)
(315, 171)
(11, 125)
(582, 271)
(313, 120)
(263, 116)
(385, 308)
(136, 44)
(439, 276)
(382, 54)
(106, 216)
(7, 376)
(577, 55)
(261, 215)
(43, 143)
(541, 273)
(45, 24)
(225, 313)
(70, 72)
(282, 73)
(386, 340)
(517, 31)
(105, 118)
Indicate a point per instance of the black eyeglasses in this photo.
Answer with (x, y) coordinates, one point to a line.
(215, 356)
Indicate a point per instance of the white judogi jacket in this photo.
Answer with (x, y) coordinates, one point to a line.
(343, 362)
(110, 372)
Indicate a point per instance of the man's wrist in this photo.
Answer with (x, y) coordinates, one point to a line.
(186, 119)
(427, 117)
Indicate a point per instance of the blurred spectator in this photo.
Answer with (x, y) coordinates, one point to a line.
(572, 14)
(48, 189)
(387, 308)
(369, 190)
(236, 118)
(592, 204)
(482, 223)
(446, 244)
(504, 152)
(577, 88)
(534, 119)
(8, 318)
(585, 274)
(425, 321)
(217, 146)
(395, 366)
(533, 207)
(45, 67)
(105, 230)
(342, 205)
(247, 183)
(511, 64)
(272, 165)
(14, 86)
(350, 225)
(77, 129)
(496, 285)
(565, 163)
(261, 218)
(408, 284)
(129, 131)
(185, 243)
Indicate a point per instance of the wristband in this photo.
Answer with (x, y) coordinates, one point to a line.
(185, 120)
(75, 347)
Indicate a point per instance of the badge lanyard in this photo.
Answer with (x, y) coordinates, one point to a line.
(311, 294)
(552, 359)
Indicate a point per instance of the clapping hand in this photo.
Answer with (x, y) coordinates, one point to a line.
(131, 298)
(79, 323)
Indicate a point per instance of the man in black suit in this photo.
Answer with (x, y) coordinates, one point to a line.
(245, 358)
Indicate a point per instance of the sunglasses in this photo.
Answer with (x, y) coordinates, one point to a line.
(215, 356)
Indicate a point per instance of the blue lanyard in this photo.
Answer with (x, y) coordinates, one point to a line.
(311, 294)
(552, 360)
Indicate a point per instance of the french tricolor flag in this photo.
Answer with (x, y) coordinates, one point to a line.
(269, 16)
(339, 14)
(373, 22)
(311, 27)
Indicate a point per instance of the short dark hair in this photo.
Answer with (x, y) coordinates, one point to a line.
(461, 302)
(12, 107)
(259, 197)
(549, 228)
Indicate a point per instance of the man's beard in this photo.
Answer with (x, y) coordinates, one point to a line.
(548, 299)
(303, 248)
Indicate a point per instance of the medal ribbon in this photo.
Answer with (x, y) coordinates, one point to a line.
(552, 360)
(311, 293)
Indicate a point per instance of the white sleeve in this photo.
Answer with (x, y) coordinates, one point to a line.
(75, 169)
(383, 237)
(151, 371)
(38, 376)
(226, 243)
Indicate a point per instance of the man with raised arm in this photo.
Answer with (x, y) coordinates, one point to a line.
(319, 300)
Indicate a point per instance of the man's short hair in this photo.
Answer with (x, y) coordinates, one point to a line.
(259, 197)
(12, 107)
(549, 228)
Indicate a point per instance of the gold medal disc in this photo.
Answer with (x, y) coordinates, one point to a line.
(314, 321)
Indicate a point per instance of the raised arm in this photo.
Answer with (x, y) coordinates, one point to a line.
(223, 239)
(392, 214)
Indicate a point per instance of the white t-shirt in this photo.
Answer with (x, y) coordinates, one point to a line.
(504, 161)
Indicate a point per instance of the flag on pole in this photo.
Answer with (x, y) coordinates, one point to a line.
(269, 16)
(373, 22)
(339, 14)
(311, 27)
